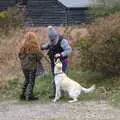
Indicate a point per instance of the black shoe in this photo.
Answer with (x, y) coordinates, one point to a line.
(52, 96)
(32, 98)
(22, 97)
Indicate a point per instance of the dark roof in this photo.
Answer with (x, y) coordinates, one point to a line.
(75, 3)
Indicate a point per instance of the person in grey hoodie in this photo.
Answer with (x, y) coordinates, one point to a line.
(58, 47)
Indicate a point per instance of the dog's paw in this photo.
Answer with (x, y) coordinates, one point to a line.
(54, 100)
(72, 101)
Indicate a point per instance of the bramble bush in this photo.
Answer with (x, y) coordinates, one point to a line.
(101, 51)
(3, 20)
(10, 19)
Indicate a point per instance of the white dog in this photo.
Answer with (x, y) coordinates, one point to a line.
(64, 83)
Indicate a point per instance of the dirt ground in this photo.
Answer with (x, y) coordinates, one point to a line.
(82, 110)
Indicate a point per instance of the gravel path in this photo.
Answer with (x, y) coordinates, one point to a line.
(93, 110)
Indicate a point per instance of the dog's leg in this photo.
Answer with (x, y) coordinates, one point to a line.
(74, 100)
(74, 95)
(57, 94)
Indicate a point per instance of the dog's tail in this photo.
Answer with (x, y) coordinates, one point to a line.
(89, 89)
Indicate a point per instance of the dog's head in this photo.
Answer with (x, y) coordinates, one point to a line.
(58, 65)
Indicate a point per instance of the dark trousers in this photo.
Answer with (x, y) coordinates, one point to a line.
(29, 82)
(40, 69)
(64, 69)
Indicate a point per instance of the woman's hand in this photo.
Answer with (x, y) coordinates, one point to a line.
(57, 55)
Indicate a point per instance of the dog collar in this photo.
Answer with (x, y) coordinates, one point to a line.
(58, 73)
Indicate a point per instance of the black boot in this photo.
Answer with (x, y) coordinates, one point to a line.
(22, 97)
(52, 96)
(33, 98)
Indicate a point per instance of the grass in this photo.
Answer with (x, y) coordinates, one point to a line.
(105, 88)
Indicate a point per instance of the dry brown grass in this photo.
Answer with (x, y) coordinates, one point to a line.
(9, 66)
(9, 46)
(101, 51)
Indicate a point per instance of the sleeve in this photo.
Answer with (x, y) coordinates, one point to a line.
(67, 48)
(46, 46)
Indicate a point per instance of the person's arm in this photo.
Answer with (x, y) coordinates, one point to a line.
(67, 48)
(45, 46)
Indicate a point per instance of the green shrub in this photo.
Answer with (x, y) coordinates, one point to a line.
(15, 17)
(3, 19)
(101, 51)
(104, 11)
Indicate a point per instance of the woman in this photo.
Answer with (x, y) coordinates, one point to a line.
(58, 47)
(29, 55)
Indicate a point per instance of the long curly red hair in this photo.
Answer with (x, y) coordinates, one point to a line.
(30, 43)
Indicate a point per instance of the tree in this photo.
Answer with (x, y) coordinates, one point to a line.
(107, 3)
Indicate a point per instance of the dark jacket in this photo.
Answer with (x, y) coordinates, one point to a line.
(62, 47)
(29, 60)
(56, 49)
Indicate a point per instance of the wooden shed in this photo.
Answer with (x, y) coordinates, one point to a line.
(58, 12)
(4, 4)
(53, 12)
